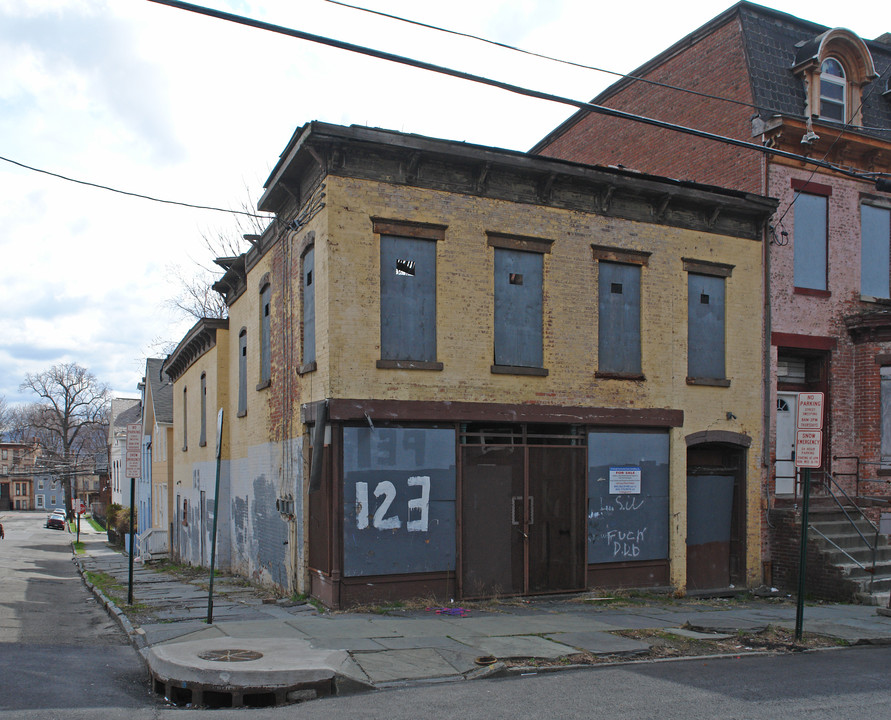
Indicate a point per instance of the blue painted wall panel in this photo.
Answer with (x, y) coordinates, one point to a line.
(408, 299)
(809, 241)
(398, 500)
(628, 527)
(705, 326)
(618, 318)
(518, 308)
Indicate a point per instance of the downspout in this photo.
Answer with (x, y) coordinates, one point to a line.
(766, 344)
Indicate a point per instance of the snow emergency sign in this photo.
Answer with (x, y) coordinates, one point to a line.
(809, 430)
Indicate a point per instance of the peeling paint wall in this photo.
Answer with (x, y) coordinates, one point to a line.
(263, 538)
(254, 539)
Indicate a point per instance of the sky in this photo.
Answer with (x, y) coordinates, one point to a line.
(157, 101)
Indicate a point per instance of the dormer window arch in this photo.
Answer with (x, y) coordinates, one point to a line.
(835, 66)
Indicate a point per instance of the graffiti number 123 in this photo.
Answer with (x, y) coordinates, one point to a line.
(418, 506)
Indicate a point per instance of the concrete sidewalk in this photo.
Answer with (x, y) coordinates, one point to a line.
(263, 652)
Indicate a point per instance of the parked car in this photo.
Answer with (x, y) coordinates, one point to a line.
(56, 520)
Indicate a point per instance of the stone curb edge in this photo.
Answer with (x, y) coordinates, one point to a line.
(135, 635)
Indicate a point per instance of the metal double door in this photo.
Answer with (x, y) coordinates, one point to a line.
(523, 519)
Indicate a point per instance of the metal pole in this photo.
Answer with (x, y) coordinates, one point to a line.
(802, 563)
(216, 507)
(132, 529)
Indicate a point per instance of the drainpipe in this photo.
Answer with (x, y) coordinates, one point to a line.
(765, 449)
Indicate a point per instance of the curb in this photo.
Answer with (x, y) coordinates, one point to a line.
(135, 635)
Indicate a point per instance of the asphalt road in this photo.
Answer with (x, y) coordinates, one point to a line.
(61, 657)
(58, 647)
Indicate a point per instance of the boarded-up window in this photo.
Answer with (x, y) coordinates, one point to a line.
(518, 308)
(185, 419)
(202, 440)
(309, 307)
(618, 319)
(875, 251)
(886, 413)
(408, 299)
(627, 496)
(398, 500)
(242, 373)
(705, 326)
(810, 241)
(265, 350)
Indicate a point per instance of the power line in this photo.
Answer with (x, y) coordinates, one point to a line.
(509, 87)
(562, 61)
(550, 58)
(131, 194)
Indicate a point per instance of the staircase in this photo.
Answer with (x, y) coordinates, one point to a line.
(842, 547)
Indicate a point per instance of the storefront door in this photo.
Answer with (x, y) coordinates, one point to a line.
(523, 519)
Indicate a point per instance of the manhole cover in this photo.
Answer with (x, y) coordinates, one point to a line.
(230, 655)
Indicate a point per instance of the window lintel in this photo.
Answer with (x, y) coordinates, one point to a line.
(707, 267)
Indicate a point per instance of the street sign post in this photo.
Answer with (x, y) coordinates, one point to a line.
(133, 468)
(808, 448)
(808, 454)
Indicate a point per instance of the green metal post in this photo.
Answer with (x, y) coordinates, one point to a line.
(216, 507)
(132, 532)
(802, 563)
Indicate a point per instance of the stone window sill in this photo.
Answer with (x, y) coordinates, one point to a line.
(709, 382)
(408, 365)
(518, 370)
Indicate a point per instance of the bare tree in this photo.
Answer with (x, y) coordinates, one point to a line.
(197, 298)
(68, 418)
(5, 416)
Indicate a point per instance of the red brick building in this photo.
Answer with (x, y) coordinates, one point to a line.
(823, 94)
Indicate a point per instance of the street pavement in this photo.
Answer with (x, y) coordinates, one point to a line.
(261, 651)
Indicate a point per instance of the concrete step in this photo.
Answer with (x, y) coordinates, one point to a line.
(878, 599)
(879, 584)
(847, 542)
(859, 552)
(843, 527)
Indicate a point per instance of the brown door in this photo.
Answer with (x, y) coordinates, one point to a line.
(491, 520)
(556, 518)
(709, 516)
(523, 520)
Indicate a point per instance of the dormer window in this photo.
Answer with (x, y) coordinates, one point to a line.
(833, 89)
(835, 66)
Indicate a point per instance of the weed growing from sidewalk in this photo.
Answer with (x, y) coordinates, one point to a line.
(109, 585)
(665, 644)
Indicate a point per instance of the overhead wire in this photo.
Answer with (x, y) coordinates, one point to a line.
(509, 87)
(563, 61)
(838, 137)
(131, 194)
(542, 56)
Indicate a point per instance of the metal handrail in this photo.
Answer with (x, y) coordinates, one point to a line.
(839, 548)
(872, 547)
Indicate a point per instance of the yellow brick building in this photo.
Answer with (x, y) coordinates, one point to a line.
(467, 372)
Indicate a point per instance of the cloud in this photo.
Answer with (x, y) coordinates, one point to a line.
(90, 52)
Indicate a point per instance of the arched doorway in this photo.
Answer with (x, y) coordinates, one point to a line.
(716, 517)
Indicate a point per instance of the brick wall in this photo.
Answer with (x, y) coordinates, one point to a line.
(715, 65)
(823, 581)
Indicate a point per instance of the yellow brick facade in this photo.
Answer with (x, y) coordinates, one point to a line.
(287, 514)
(348, 281)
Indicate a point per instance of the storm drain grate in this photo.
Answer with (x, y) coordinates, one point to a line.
(232, 655)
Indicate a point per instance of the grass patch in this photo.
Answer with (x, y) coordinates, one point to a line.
(109, 585)
(95, 525)
(79, 548)
(665, 644)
